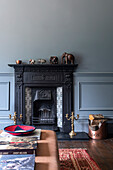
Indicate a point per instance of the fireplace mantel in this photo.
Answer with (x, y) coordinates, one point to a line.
(47, 67)
(44, 75)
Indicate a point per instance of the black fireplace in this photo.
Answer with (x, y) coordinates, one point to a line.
(44, 94)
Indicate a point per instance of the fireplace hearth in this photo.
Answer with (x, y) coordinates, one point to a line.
(44, 94)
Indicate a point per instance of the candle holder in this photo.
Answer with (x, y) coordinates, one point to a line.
(15, 117)
(72, 118)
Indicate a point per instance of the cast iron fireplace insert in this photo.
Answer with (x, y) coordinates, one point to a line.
(44, 94)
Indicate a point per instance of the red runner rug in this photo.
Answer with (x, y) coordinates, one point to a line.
(76, 159)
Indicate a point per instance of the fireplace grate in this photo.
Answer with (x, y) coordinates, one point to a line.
(37, 121)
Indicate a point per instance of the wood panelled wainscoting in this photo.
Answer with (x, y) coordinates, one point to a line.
(93, 94)
(6, 98)
(101, 151)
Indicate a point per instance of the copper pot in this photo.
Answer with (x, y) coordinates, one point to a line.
(100, 133)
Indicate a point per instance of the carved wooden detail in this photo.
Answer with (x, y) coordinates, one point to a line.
(43, 77)
(19, 77)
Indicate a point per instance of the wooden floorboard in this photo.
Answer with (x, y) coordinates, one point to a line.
(100, 150)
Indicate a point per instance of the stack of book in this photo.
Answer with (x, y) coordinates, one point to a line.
(18, 152)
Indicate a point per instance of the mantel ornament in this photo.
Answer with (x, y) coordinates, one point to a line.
(67, 58)
(41, 61)
(53, 60)
(18, 61)
(31, 61)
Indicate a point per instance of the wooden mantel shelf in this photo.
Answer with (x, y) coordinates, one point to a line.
(50, 66)
(43, 65)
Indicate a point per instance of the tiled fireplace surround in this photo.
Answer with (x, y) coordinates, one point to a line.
(44, 94)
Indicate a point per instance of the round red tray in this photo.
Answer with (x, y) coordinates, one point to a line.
(19, 129)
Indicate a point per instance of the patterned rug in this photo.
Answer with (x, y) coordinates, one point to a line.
(76, 159)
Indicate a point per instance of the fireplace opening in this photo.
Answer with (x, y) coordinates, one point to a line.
(44, 107)
(43, 113)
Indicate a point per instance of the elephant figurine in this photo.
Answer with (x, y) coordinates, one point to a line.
(67, 58)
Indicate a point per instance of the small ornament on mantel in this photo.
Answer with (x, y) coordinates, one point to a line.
(53, 60)
(31, 61)
(18, 61)
(67, 58)
(41, 61)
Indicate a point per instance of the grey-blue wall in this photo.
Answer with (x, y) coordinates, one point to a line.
(38, 29)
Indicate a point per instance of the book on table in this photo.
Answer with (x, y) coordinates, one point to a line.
(18, 162)
(10, 144)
